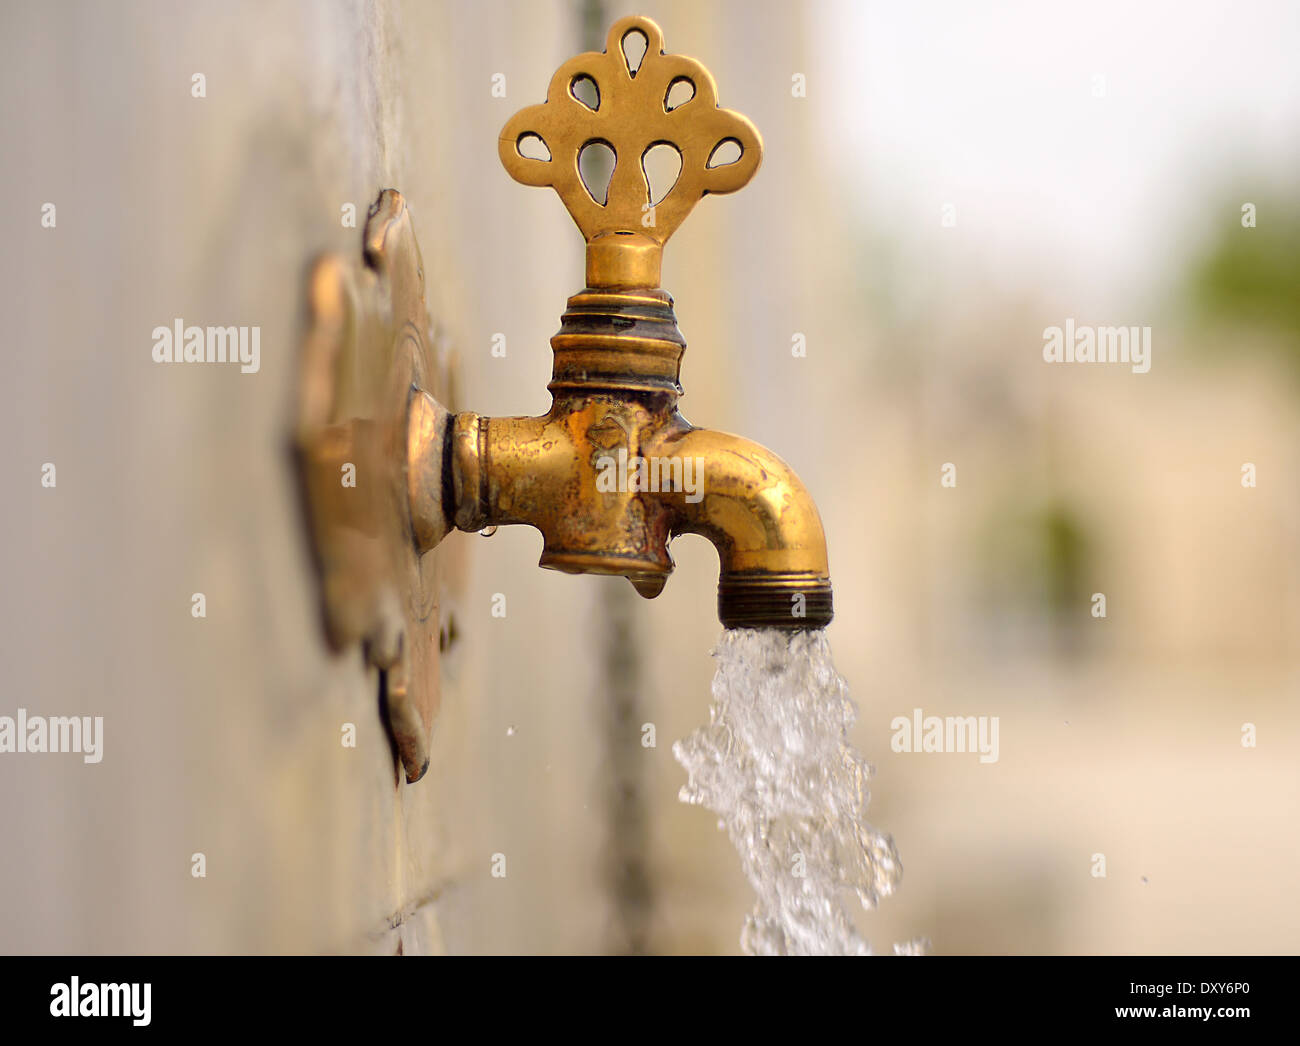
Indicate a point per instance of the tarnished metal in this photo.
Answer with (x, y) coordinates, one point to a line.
(367, 354)
(614, 471)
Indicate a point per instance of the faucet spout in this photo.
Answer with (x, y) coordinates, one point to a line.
(766, 528)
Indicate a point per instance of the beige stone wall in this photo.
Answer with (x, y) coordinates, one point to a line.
(222, 735)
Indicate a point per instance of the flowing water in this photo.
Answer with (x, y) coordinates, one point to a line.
(776, 766)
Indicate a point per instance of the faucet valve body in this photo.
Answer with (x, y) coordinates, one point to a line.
(613, 472)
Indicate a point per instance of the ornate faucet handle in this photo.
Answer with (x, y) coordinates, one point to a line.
(610, 99)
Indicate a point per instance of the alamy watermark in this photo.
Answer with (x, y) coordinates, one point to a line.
(923, 733)
(37, 734)
(181, 344)
(73, 999)
(1130, 345)
(619, 472)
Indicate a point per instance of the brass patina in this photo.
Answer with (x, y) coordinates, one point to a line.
(604, 474)
(617, 363)
(368, 345)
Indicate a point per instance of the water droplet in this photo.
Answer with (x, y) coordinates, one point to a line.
(510, 731)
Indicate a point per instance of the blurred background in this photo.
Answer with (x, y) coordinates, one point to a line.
(941, 182)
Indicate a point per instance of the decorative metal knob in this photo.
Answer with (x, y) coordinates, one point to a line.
(630, 106)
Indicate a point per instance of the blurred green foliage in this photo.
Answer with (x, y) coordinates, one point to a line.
(1252, 276)
(1065, 553)
(1038, 555)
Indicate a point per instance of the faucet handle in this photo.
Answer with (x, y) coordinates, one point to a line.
(630, 105)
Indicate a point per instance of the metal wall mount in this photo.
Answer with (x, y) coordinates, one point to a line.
(368, 353)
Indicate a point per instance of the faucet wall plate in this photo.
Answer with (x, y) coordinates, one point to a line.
(368, 348)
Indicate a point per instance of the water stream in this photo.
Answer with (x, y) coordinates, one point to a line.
(776, 766)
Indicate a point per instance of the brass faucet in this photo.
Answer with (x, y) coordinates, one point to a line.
(613, 471)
